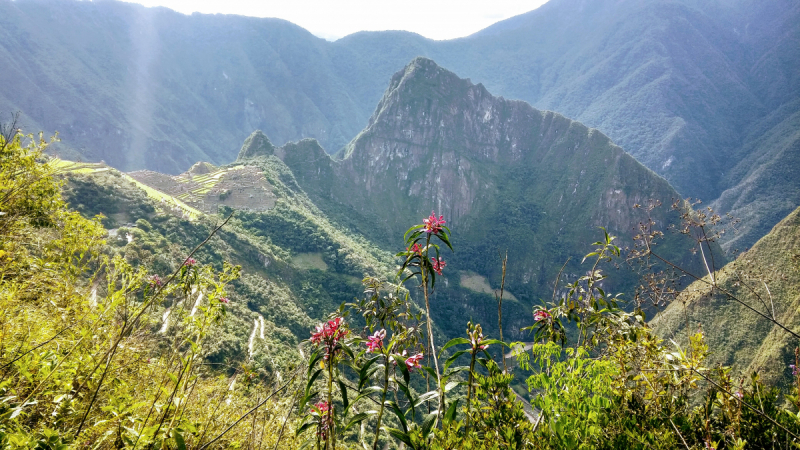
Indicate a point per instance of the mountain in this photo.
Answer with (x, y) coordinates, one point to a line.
(697, 91)
(766, 277)
(505, 175)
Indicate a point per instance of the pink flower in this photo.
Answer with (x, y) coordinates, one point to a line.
(322, 406)
(415, 249)
(438, 265)
(413, 361)
(432, 224)
(375, 342)
(190, 262)
(795, 371)
(739, 395)
(224, 300)
(329, 334)
(155, 281)
(540, 315)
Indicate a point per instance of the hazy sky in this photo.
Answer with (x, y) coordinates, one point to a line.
(332, 19)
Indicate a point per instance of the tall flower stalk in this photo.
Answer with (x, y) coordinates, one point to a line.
(426, 262)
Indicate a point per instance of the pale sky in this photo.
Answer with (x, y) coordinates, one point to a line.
(332, 19)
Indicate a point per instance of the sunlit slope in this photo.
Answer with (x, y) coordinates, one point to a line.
(767, 278)
(297, 266)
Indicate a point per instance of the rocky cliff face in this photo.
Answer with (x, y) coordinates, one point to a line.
(505, 175)
(449, 144)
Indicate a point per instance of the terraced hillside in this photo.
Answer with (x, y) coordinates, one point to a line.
(206, 187)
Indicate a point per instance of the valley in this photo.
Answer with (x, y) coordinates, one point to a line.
(223, 220)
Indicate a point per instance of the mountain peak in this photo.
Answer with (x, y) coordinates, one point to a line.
(257, 144)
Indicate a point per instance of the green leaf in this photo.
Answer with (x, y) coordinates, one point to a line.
(456, 341)
(343, 389)
(304, 427)
(427, 424)
(356, 419)
(451, 385)
(399, 413)
(450, 415)
(363, 375)
(181, 444)
(311, 380)
(366, 392)
(399, 435)
(425, 397)
(453, 358)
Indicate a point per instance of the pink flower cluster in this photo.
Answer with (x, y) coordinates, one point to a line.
(540, 315)
(155, 281)
(322, 406)
(190, 262)
(329, 334)
(438, 265)
(325, 420)
(375, 342)
(432, 224)
(413, 361)
(415, 249)
(224, 300)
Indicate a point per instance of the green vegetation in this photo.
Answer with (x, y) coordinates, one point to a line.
(702, 93)
(125, 338)
(766, 278)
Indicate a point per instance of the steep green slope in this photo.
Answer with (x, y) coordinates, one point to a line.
(505, 175)
(280, 295)
(767, 278)
(764, 184)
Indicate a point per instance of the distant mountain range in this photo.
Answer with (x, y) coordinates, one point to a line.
(704, 93)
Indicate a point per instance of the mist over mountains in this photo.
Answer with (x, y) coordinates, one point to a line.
(703, 93)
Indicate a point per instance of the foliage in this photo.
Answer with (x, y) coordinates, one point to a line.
(96, 352)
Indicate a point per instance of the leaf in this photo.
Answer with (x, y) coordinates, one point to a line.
(451, 385)
(363, 375)
(427, 424)
(399, 413)
(368, 391)
(401, 364)
(425, 397)
(311, 380)
(399, 435)
(456, 341)
(453, 358)
(343, 389)
(494, 342)
(356, 419)
(304, 427)
(181, 444)
(450, 415)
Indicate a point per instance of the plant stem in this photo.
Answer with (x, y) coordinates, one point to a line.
(383, 400)
(469, 387)
(430, 327)
(500, 310)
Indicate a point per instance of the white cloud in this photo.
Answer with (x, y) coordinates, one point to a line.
(435, 19)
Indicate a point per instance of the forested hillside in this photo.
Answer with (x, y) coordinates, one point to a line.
(703, 93)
